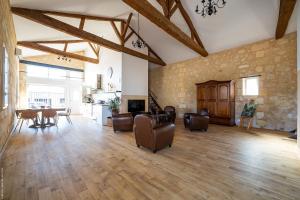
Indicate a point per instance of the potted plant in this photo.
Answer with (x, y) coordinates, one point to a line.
(114, 105)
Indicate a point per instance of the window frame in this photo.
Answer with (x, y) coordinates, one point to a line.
(5, 68)
(244, 86)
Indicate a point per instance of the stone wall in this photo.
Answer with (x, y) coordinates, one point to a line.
(8, 37)
(297, 9)
(274, 60)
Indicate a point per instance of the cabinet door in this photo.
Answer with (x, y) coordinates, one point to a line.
(223, 100)
(201, 92)
(211, 91)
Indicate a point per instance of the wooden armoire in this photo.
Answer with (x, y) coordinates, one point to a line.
(219, 98)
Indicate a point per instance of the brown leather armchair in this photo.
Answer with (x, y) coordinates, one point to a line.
(152, 136)
(196, 121)
(122, 122)
(170, 111)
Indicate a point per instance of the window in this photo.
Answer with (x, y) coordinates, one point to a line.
(5, 78)
(74, 75)
(53, 73)
(251, 86)
(36, 71)
(57, 73)
(44, 95)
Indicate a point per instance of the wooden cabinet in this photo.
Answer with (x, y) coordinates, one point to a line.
(219, 98)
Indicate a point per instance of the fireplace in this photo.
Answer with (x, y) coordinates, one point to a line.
(136, 106)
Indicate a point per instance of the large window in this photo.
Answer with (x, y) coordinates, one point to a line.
(53, 73)
(251, 86)
(44, 95)
(5, 78)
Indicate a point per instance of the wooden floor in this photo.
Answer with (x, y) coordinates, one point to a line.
(86, 161)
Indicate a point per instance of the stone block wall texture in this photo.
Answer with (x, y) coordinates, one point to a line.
(8, 37)
(275, 62)
(47, 59)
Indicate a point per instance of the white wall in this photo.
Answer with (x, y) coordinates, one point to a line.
(134, 72)
(108, 58)
(134, 76)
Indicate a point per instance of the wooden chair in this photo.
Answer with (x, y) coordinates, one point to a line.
(49, 114)
(27, 115)
(18, 115)
(66, 114)
(250, 122)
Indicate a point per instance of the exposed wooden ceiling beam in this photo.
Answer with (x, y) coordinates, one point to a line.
(41, 18)
(124, 31)
(117, 32)
(58, 41)
(285, 13)
(95, 49)
(164, 6)
(189, 22)
(173, 10)
(151, 13)
(82, 22)
(79, 16)
(36, 46)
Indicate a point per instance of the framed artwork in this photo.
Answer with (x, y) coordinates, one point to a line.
(5, 78)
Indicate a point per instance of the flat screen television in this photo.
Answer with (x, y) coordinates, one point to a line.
(136, 105)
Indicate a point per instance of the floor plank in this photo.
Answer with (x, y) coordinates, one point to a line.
(85, 161)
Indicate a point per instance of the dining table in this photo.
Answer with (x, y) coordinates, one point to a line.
(43, 122)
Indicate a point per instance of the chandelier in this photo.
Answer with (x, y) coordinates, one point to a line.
(209, 7)
(139, 43)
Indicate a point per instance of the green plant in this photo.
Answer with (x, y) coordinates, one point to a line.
(114, 104)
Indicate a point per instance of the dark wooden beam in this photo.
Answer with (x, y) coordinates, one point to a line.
(189, 22)
(285, 13)
(164, 6)
(46, 49)
(57, 41)
(94, 50)
(82, 21)
(128, 36)
(151, 13)
(51, 22)
(173, 10)
(124, 31)
(117, 32)
(78, 16)
(66, 47)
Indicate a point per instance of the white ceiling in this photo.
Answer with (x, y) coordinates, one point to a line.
(240, 22)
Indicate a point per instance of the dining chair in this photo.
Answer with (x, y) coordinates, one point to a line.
(18, 115)
(66, 114)
(49, 114)
(27, 115)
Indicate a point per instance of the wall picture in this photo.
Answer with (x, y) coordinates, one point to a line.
(5, 77)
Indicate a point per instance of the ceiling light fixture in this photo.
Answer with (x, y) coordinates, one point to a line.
(138, 43)
(209, 7)
(64, 58)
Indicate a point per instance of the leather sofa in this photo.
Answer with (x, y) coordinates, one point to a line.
(151, 135)
(122, 122)
(196, 121)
